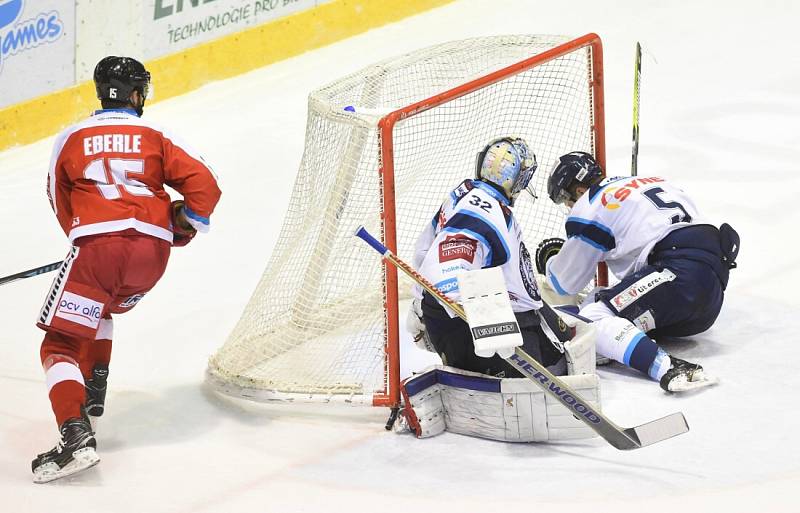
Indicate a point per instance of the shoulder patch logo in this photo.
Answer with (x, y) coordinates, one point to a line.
(457, 247)
(526, 273)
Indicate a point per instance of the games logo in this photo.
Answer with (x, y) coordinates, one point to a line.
(17, 37)
(9, 10)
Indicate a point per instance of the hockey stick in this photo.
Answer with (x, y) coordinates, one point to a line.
(637, 79)
(31, 272)
(621, 438)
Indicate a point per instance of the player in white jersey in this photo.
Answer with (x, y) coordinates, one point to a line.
(473, 229)
(672, 265)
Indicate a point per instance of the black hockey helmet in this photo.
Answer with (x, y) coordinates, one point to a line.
(569, 171)
(115, 78)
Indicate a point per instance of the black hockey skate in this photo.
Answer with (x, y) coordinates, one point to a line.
(75, 452)
(683, 376)
(96, 391)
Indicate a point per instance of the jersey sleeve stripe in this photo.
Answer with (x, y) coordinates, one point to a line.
(593, 233)
(197, 221)
(483, 230)
(557, 286)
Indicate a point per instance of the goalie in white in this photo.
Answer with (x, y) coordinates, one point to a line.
(475, 229)
(673, 266)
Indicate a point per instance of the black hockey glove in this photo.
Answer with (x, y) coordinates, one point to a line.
(547, 249)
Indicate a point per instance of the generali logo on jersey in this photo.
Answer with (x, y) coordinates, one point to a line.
(19, 36)
(457, 247)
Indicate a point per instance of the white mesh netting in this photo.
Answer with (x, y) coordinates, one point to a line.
(314, 327)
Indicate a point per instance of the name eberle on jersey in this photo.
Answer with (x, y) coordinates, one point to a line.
(112, 143)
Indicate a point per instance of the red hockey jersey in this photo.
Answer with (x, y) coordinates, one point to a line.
(107, 174)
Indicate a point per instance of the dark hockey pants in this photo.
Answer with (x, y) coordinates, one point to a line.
(452, 339)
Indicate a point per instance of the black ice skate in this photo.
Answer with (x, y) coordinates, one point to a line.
(96, 391)
(683, 376)
(75, 452)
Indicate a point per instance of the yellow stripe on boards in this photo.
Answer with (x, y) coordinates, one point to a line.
(226, 57)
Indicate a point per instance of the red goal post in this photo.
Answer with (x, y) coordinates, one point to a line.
(386, 127)
(326, 309)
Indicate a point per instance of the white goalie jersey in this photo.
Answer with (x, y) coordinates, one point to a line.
(475, 229)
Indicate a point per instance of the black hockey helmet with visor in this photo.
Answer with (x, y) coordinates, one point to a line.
(568, 172)
(115, 78)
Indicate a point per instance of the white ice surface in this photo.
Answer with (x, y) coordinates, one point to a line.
(720, 112)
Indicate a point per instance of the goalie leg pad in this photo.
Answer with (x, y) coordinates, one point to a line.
(423, 410)
(580, 350)
(509, 410)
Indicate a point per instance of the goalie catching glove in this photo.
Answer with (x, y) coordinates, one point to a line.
(547, 249)
(182, 231)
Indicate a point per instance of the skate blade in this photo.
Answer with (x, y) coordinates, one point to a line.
(81, 460)
(682, 384)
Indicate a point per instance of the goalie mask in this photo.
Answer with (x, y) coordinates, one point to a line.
(569, 171)
(507, 163)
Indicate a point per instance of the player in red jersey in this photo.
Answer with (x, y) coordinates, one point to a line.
(106, 187)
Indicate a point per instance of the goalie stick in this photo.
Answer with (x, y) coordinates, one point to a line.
(620, 438)
(31, 272)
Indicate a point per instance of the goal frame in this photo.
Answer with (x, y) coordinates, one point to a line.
(386, 125)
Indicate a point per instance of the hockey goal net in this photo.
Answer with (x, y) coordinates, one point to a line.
(383, 147)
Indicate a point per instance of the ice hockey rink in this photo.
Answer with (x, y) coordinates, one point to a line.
(719, 115)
